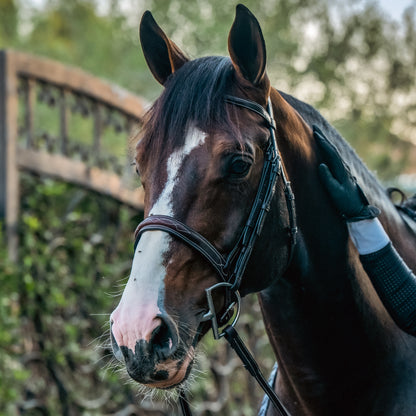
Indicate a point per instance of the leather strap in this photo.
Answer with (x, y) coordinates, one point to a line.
(252, 367)
(253, 106)
(187, 235)
(184, 404)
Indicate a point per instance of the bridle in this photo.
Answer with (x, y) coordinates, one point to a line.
(231, 268)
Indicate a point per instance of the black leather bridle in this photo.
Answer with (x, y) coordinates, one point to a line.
(231, 268)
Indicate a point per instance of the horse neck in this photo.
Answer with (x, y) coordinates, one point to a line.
(323, 246)
(321, 316)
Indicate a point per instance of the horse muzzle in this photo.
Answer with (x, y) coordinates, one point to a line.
(153, 356)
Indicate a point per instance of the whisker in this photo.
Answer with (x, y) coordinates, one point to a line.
(115, 294)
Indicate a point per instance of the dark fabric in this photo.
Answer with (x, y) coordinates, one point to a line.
(409, 207)
(395, 284)
(410, 203)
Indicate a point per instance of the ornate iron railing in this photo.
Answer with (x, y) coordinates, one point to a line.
(59, 121)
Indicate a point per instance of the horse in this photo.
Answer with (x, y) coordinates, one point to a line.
(200, 160)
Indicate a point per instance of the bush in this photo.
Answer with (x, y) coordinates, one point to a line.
(74, 258)
(55, 302)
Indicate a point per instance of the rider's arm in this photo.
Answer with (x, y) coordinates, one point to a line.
(393, 281)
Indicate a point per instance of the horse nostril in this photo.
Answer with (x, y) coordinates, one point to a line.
(164, 339)
(115, 347)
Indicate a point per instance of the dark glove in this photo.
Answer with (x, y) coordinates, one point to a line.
(346, 194)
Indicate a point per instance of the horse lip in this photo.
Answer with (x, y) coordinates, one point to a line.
(118, 354)
(181, 372)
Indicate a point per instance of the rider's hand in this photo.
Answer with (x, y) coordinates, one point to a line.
(346, 194)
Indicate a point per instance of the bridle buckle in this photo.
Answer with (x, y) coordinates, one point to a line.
(212, 313)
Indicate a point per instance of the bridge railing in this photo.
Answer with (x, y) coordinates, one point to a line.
(59, 121)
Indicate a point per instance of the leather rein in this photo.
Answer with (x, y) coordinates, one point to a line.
(231, 268)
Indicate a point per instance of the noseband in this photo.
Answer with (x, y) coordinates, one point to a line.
(231, 268)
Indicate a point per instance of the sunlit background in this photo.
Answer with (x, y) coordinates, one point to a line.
(355, 61)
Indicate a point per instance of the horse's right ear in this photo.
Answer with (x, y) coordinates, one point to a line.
(162, 55)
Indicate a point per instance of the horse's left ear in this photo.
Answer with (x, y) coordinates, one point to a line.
(162, 55)
(246, 46)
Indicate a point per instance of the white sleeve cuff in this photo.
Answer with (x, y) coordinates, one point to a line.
(368, 235)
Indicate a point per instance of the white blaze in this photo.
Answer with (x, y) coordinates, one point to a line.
(138, 305)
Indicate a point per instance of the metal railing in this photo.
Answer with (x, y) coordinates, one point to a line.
(59, 121)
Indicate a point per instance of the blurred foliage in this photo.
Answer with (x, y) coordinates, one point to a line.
(355, 64)
(55, 354)
(56, 301)
(349, 59)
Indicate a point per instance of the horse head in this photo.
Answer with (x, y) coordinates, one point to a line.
(200, 161)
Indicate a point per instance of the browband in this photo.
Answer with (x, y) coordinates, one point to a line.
(253, 106)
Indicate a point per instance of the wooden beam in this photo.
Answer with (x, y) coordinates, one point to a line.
(9, 176)
(77, 172)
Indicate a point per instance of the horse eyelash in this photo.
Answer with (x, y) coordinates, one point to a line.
(134, 163)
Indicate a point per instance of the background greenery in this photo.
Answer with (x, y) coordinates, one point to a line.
(348, 59)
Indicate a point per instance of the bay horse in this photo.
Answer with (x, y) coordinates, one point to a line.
(200, 161)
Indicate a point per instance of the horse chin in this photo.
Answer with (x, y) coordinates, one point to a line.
(178, 370)
(174, 372)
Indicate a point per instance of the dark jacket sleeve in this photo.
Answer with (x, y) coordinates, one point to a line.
(395, 284)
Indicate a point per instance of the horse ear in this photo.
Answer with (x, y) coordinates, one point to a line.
(162, 55)
(246, 46)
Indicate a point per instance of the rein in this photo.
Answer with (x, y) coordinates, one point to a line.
(231, 268)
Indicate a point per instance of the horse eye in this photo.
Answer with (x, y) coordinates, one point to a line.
(136, 168)
(240, 166)
(138, 173)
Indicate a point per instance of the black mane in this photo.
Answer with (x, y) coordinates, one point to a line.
(193, 95)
